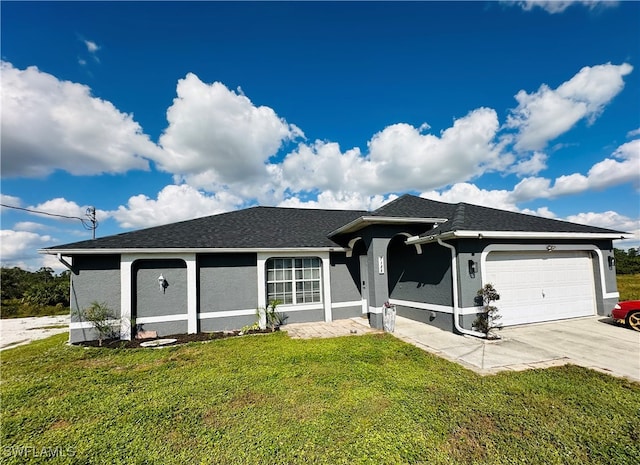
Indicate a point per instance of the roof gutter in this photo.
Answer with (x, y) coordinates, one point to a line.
(516, 235)
(456, 306)
(365, 221)
(177, 250)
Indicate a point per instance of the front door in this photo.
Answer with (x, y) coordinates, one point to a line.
(364, 285)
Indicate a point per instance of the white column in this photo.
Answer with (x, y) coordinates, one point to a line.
(192, 293)
(126, 263)
(326, 286)
(262, 287)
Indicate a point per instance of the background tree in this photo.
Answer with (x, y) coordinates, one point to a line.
(627, 262)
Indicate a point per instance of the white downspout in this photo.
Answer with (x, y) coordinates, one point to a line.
(454, 278)
(65, 263)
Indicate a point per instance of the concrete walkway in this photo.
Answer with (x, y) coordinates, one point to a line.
(593, 342)
(19, 331)
(351, 327)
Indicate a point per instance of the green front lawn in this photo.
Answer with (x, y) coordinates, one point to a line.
(270, 399)
(629, 286)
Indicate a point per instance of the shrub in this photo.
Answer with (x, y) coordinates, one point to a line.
(103, 320)
(486, 321)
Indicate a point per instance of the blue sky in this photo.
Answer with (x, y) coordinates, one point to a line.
(155, 112)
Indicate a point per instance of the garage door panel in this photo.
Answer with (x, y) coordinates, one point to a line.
(541, 286)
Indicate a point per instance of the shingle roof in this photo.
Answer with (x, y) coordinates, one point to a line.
(255, 227)
(275, 227)
(467, 217)
(410, 206)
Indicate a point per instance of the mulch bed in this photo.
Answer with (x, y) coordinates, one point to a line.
(180, 339)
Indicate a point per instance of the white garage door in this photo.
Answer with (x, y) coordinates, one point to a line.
(541, 286)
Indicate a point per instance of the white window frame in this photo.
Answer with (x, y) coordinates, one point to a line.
(325, 283)
(289, 274)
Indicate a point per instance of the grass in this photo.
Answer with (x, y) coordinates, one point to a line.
(629, 286)
(273, 400)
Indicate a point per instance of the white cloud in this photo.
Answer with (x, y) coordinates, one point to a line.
(28, 226)
(612, 220)
(547, 113)
(340, 201)
(532, 165)
(470, 193)
(622, 167)
(49, 125)
(63, 207)
(173, 203)
(634, 133)
(558, 6)
(92, 47)
(10, 200)
(217, 137)
(401, 158)
(20, 245)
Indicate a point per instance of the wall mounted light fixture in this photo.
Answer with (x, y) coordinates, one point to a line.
(473, 268)
(612, 262)
(162, 282)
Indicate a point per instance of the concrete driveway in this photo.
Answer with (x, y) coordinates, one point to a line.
(593, 342)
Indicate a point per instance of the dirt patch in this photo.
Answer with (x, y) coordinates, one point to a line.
(180, 339)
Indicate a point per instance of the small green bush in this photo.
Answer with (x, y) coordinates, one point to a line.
(102, 319)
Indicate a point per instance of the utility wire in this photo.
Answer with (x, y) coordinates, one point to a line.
(90, 223)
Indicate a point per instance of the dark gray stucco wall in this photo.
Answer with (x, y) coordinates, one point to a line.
(345, 278)
(149, 299)
(96, 279)
(227, 282)
(422, 277)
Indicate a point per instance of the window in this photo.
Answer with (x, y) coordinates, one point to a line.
(294, 280)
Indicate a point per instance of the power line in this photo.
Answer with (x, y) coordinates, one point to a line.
(90, 223)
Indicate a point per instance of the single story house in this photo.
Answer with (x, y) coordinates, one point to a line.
(425, 257)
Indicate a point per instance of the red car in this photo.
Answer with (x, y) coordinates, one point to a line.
(627, 313)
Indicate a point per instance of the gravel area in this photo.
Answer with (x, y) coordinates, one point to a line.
(18, 331)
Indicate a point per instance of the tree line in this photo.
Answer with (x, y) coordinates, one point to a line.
(627, 261)
(30, 293)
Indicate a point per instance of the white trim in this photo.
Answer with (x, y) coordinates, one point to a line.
(435, 307)
(326, 287)
(543, 248)
(364, 221)
(126, 289)
(351, 244)
(226, 313)
(185, 250)
(88, 325)
(126, 300)
(376, 310)
(299, 307)
(262, 278)
(192, 293)
(516, 235)
(162, 318)
(353, 303)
